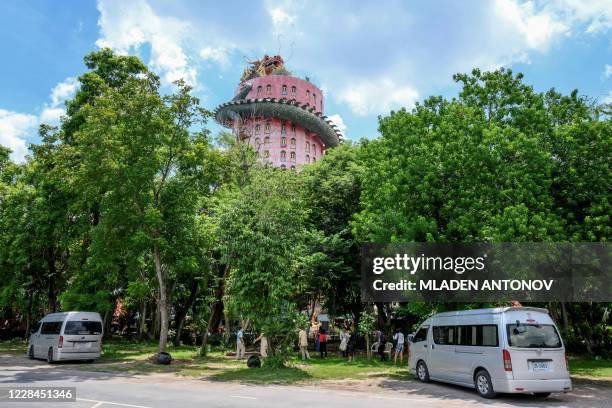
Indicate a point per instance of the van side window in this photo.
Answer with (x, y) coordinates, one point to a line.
(421, 335)
(51, 328)
(478, 335)
(445, 335)
(35, 328)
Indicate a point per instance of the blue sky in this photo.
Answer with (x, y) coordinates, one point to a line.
(369, 57)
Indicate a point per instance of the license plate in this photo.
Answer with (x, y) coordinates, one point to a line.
(83, 345)
(538, 366)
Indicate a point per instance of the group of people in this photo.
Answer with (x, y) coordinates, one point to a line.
(240, 344)
(382, 340)
(348, 341)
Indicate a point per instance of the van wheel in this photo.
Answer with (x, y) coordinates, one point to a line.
(483, 384)
(541, 394)
(50, 356)
(422, 372)
(31, 353)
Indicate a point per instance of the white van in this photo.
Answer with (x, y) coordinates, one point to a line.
(508, 350)
(67, 336)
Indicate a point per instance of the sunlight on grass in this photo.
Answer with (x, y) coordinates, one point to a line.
(586, 367)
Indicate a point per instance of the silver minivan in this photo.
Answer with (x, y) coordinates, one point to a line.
(508, 350)
(67, 336)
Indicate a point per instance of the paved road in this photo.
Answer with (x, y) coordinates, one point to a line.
(116, 390)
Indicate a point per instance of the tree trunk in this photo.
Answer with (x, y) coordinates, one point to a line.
(181, 314)
(163, 301)
(51, 293)
(368, 351)
(565, 320)
(29, 313)
(108, 316)
(143, 319)
(216, 310)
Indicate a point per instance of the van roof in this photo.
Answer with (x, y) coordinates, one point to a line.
(493, 310)
(70, 313)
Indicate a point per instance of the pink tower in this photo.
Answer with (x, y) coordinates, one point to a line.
(279, 115)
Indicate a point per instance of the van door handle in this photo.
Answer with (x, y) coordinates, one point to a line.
(425, 345)
(432, 347)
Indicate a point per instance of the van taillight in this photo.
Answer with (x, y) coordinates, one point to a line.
(60, 343)
(507, 360)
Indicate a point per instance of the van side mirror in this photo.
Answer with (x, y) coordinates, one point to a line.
(411, 338)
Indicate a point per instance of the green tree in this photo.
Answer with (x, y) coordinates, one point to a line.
(152, 169)
(262, 232)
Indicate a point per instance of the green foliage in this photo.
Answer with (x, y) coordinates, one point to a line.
(261, 229)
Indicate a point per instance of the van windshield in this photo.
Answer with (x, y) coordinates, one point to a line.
(533, 336)
(73, 328)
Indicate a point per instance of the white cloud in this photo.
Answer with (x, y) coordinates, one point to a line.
(14, 127)
(220, 55)
(339, 122)
(127, 26)
(281, 19)
(377, 96)
(608, 71)
(536, 28)
(608, 98)
(51, 115)
(63, 91)
(52, 111)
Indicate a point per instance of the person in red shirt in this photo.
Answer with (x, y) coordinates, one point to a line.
(323, 342)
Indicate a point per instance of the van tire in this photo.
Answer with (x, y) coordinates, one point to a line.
(422, 372)
(484, 385)
(31, 353)
(541, 394)
(50, 355)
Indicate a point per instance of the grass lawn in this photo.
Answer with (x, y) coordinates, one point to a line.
(591, 369)
(135, 358)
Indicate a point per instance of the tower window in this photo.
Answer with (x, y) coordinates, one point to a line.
(267, 128)
(293, 142)
(283, 141)
(314, 148)
(259, 90)
(307, 159)
(308, 95)
(257, 129)
(257, 142)
(266, 153)
(314, 98)
(283, 129)
(267, 140)
(293, 90)
(269, 89)
(293, 128)
(314, 160)
(307, 147)
(283, 155)
(292, 167)
(284, 90)
(292, 156)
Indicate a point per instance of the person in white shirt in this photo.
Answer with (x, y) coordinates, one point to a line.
(263, 349)
(303, 343)
(399, 346)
